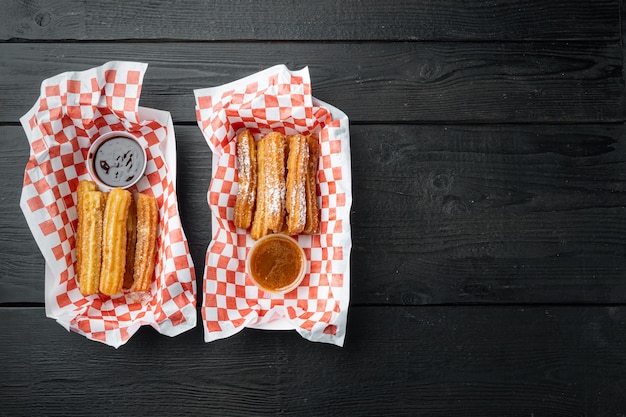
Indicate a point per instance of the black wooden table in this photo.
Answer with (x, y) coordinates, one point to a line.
(488, 148)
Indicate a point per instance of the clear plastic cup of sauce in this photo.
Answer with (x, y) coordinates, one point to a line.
(116, 159)
(276, 263)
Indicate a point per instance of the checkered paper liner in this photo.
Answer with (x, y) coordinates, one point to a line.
(276, 99)
(74, 109)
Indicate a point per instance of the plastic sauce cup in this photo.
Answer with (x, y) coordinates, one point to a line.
(276, 263)
(116, 159)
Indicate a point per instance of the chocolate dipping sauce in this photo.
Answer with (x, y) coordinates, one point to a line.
(119, 161)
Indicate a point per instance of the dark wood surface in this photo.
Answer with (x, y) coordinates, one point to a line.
(488, 269)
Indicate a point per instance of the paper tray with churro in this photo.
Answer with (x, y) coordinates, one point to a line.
(116, 257)
(281, 166)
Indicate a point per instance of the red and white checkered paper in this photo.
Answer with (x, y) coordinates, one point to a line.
(276, 99)
(73, 110)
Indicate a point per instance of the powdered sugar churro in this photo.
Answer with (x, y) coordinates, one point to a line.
(286, 184)
(247, 178)
(270, 211)
(312, 205)
(297, 166)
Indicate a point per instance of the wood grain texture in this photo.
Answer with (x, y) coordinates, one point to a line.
(20, 260)
(441, 214)
(487, 214)
(488, 157)
(371, 82)
(322, 20)
(433, 361)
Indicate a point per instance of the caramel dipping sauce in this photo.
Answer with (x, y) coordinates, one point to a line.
(276, 263)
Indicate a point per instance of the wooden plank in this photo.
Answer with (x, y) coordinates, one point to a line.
(20, 260)
(623, 27)
(435, 361)
(322, 20)
(489, 213)
(385, 82)
(441, 214)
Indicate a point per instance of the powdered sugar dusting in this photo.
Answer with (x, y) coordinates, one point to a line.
(296, 183)
(297, 198)
(275, 181)
(247, 188)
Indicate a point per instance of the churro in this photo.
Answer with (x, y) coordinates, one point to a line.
(270, 212)
(259, 226)
(83, 187)
(89, 248)
(145, 251)
(312, 205)
(131, 241)
(297, 166)
(247, 178)
(114, 241)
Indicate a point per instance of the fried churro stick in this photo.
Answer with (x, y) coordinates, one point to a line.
(84, 186)
(297, 166)
(270, 211)
(89, 250)
(131, 241)
(312, 205)
(275, 181)
(247, 177)
(114, 241)
(145, 253)
(259, 224)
